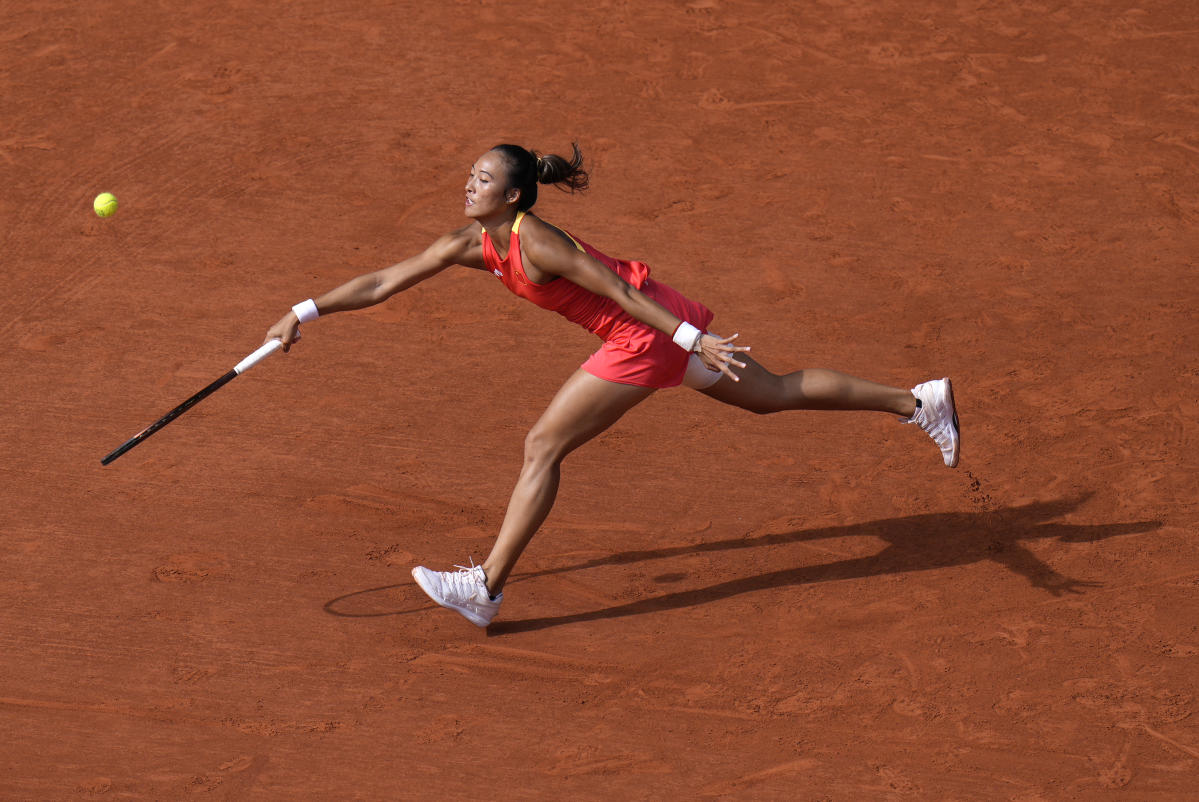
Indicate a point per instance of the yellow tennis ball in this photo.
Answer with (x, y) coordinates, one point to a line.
(105, 204)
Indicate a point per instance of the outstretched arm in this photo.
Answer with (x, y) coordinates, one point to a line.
(552, 253)
(372, 288)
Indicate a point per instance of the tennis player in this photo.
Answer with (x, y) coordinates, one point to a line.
(651, 336)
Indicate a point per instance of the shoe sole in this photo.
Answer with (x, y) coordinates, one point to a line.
(957, 444)
(467, 614)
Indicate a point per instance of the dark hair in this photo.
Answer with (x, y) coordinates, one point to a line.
(528, 168)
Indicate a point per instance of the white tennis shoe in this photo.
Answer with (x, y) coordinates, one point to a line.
(464, 590)
(938, 416)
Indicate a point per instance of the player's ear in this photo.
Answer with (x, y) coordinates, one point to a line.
(512, 195)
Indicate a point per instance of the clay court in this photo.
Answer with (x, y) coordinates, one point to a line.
(802, 606)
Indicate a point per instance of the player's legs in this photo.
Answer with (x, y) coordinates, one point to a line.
(584, 407)
(763, 392)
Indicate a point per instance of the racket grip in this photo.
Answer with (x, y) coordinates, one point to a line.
(265, 350)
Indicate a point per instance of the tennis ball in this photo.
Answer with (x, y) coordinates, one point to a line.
(105, 204)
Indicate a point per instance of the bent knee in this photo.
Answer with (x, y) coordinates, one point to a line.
(544, 447)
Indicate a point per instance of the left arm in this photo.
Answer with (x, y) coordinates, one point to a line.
(552, 253)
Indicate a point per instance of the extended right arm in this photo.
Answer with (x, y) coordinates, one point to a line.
(369, 289)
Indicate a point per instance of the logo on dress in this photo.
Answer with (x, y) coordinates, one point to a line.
(498, 272)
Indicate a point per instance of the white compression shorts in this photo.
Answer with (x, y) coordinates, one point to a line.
(698, 375)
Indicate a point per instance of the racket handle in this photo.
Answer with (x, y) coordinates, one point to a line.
(265, 350)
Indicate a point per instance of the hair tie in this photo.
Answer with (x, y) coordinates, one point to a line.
(540, 163)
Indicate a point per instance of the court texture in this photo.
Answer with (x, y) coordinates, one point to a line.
(805, 606)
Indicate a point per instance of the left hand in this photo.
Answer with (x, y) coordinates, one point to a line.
(719, 353)
(287, 330)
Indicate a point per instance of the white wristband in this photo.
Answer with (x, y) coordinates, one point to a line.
(686, 335)
(306, 310)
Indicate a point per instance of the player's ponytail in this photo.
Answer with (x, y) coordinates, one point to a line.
(527, 169)
(556, 170)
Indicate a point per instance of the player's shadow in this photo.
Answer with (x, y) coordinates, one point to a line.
(914, 543)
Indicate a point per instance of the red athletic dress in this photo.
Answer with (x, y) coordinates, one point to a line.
(632, 353)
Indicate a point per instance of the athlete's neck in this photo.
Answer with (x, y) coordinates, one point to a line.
(499, 228)
(501, 221)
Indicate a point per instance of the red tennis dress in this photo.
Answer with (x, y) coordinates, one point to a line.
(632, 353)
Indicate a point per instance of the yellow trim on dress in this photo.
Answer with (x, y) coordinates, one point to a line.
(516, 229)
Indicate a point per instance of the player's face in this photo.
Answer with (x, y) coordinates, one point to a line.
(486, 188)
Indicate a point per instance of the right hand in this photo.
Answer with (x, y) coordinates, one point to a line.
(719, 353)
(287, 330)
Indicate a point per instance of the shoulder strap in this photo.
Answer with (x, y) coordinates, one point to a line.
(521, 216)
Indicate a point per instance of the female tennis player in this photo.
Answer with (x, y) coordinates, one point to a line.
(652, 337)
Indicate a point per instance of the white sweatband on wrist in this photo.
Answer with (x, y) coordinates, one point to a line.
(306, 310)
(686, 335)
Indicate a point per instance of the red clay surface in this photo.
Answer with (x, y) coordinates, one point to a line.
(804, 606)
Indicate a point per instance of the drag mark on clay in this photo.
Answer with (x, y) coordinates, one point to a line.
(913, 675)
(21, 143)
(573, 766)
(520, 662)
(1175, 140)
(1163, 34)
(162, 52)
(804, 47)
(1164, 738)
(233, 778)
(799, 766)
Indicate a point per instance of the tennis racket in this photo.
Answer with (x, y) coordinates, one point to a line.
(241, 367)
